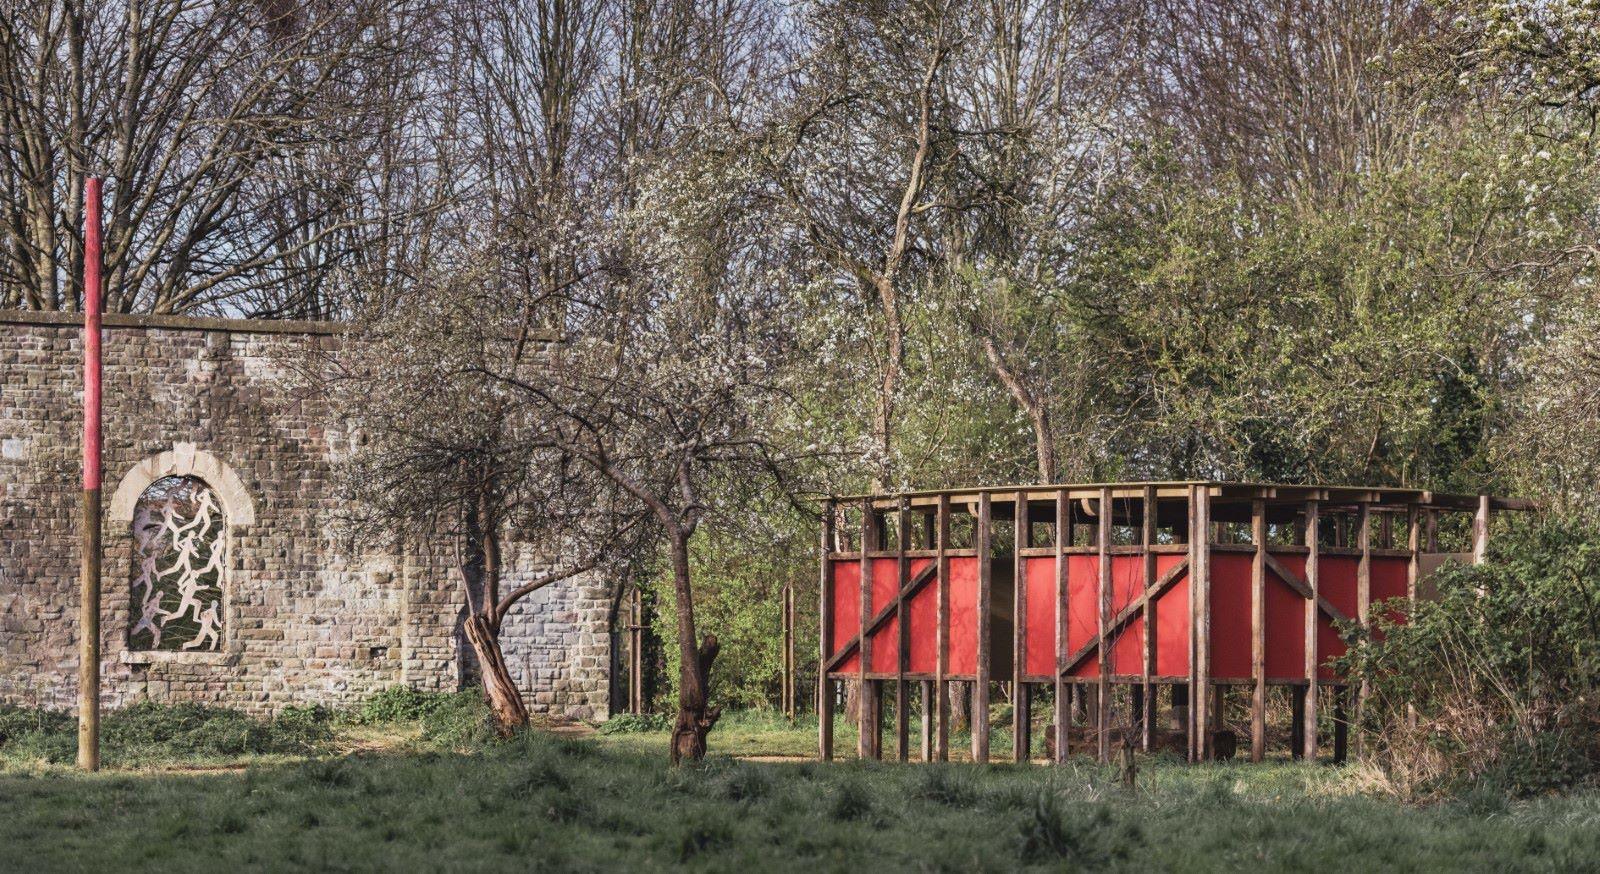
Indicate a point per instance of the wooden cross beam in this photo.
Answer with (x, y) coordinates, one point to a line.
(920, 579)
(1294, 582)
(1127, 614)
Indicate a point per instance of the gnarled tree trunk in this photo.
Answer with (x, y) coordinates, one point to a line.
(695, 718)
(505, 700)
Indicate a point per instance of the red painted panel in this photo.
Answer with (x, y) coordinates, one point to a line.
(1230, 616)
(1083, 609)
(924, 616)
(1337, 583)
(1041, 618)
(964, 615)
(1286, 622)
(885, 586)
(1172, 623)
(1127, 581)
(846, 603)
(1389, 579)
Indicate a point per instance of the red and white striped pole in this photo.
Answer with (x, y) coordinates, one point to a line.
(89, 603)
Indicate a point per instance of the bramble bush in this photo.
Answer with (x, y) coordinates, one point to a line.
(1490, 687)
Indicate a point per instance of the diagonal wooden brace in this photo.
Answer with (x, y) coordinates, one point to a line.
(1294, 582)
(1127, 614)
(921, 578)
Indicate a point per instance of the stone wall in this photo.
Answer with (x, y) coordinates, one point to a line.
(306, 618)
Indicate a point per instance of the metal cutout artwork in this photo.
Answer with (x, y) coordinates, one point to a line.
(178, 557)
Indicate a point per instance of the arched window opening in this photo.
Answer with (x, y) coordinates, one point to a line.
(178, 558)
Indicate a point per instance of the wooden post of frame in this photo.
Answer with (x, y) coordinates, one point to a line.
(1200, 699)
(824, 636)
(1480, 531)
(941, 679)
(636, 652)
(1297, 722)
(1414, 547)
(1147, 539)
(786, 693)
(980, 686)
(1063, 714)
(1363, 599)
(925, 747)
(1021, 713)
(1103, 648)
(1313, 663)
(1341, 724)
(1413, 573)
(902, 701)
(1195, 535)
(1258, 631)
(866, 723)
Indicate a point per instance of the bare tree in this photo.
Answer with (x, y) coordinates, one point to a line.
(856, 153)
(1036, 86)
(442, 448)
(1289, 95)
(234, 137)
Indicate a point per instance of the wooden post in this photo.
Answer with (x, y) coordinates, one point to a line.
(1103, 690)
(1341, 725)
(825, 637)
(902, 701)
(89, 601)
(1147, 692)
(980, 686)
(1313, 663)
(1413, 573)
(926, 748)
(1363, 599)
(1297, 722)
(1480, 531)
(786, 693)
(1413, 546)
(1258, 631)
(1063, 714)
(1193, 690)
(636, 648)
(1203, 582)
(941, 680)
(1021, 713)
(864, 718)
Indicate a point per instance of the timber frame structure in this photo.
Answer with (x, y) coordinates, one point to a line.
(1059, 586)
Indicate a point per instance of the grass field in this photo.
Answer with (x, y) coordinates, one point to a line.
(610, 801)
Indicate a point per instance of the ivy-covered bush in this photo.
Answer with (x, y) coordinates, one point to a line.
(1492, 685)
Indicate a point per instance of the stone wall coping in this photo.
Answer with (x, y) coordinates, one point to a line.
(177, 657)
(177, 323)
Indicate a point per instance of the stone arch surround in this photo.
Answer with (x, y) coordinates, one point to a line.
(183, 459)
